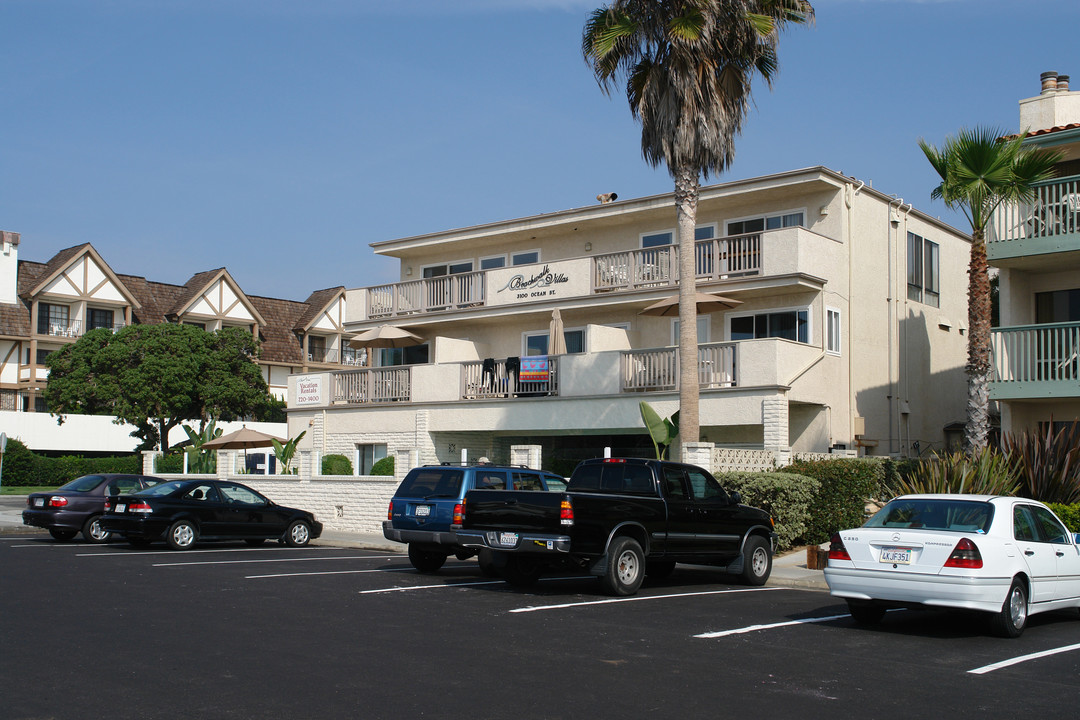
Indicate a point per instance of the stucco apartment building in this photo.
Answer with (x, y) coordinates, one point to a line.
(1036, 249)
(45, 305)
(847, 330)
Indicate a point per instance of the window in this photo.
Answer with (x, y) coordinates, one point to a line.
(787, 324)
(538, 343)
(832, 330)
(368, 455)
(414, 355)
(667, 237)
(765, 222)
(42, 355)
(454, 268)
(702, 330)
(52, 319)
(924, 270)
(493, 262)
(525, 258)
(703, 486)
(316, 348)
(1057, 306)
(96, 318)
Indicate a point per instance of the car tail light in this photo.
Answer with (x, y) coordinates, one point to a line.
(459, 515)
(390, 511)
(614, 460)
(140, 506)
(57, 501)
(837, 551)
(566, 512)
(108, 504)
(965, 555)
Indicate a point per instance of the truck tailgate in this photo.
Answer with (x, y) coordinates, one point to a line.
(513, 510)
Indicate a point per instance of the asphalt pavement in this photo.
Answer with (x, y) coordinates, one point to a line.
(789, 569)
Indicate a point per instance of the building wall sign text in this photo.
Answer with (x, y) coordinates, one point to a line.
(550, 281)
(309, 390)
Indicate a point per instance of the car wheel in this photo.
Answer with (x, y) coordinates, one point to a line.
(254, 542)
(659, 569)
(182, 535)
(1011, 620)
(62, 535)
(426, 561)
(298, 534)
(521, 570)
(865, 613)
(757, 561)
(486, 559)
(625, 569)
(92, 531)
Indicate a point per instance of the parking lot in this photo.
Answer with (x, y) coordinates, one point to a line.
(228, 631)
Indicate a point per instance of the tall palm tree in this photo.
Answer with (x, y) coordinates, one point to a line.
(688, 66)
(980, 171)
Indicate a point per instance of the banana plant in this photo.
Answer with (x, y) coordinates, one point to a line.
(285, 452)
(200, 461)
(662, 431)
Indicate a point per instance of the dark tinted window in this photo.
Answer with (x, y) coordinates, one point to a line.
(123, 485)
(956, 515)
(163, 489)
(431, 482)
(554, 482)
(86, 483)
(1052, 531)
(527, 481)
(704, 486)
(624, 478)
(490, 480)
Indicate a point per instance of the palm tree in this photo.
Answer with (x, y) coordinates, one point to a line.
(688, 66)
(980, 171)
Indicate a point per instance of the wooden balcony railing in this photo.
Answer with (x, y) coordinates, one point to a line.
(374, 385)
(715, 259)
(1045, 353)
(450, 292)
(658, 369)
(1054, 211)
(498, 379)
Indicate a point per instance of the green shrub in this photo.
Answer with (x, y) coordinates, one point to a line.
(1047, 463)
(1069, 514)
(18, 470)
(785, 496)
(24, 468)
(987, 473)
(840, 503)
(173, 463)
(336, 465)
(384, 466)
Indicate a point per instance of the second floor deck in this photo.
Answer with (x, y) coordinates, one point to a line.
(1034, 232)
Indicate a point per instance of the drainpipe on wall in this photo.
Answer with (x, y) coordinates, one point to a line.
(891, 305)
(849, 201)
(902, 378)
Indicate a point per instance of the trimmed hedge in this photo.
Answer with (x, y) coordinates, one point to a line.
(1069, 514)
(336, 465)
(384, 466)
(24, 468)
(846, 485)
(786, 496)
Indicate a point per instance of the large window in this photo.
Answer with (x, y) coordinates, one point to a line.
(1057, 306)
(527, 257)
(766, 222)
(924, 270)
(52, 319)
(702, 330)
(539, 343)
(454, 268)
(786, 324)
(367, 456)
(667, 237)
(98, 318)
(413, 355)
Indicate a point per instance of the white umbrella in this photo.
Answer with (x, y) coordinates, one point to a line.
(556, 337)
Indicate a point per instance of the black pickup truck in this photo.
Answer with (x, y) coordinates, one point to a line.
(620, 519)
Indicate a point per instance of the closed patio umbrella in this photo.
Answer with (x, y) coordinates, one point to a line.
(556, 336)
(706, 303)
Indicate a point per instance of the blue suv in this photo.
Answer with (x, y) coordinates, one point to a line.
(429, 497)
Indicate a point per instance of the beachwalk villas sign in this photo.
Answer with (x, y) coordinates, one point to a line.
(533, 283)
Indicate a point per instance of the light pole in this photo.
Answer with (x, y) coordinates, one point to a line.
(3, 447)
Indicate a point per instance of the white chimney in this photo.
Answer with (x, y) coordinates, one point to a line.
(9, 267)
(1054, 106)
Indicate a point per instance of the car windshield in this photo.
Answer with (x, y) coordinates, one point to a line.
(431, 482)
(163, 489)
(934, 514)
(86, 483)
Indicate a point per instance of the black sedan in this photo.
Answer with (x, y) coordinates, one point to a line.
(78, 505)
(185, 511)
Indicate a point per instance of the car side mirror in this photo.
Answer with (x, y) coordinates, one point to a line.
(736, 497)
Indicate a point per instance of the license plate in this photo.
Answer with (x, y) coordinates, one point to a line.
(120, 507)
(508, 539)
(423, 510)
(39, 502)
(896, 555)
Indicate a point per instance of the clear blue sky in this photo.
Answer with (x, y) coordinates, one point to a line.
(279, 138)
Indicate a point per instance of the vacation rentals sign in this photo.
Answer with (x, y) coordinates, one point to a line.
(309, 390)
(532, 283)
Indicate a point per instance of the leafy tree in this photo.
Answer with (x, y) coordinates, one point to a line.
(688, 66)
(156, 376)
(199, 460)
(979, 173)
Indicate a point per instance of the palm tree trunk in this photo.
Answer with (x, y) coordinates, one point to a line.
(978, 364)
(686, 197)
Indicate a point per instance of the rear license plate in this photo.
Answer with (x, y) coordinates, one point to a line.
(896, 555)
(121, 507)
(507, 539)
(39, 502)
(423, 510)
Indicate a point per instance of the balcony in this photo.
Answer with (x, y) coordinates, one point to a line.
(1049, 224)
(72, 328)
(375, 385)
(715, 259)
(331, 356)
(1036, 361)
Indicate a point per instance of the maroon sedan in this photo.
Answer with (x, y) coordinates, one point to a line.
(78, 505)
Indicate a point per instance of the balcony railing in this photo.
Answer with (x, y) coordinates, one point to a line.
(1053, 212)
(331, 356)
(374, 385)
(645, 370)
(1044, 354)
(450, 292)
(500, 379)
(714, 259)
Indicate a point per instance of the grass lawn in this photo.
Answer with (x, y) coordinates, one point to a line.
(12, 490)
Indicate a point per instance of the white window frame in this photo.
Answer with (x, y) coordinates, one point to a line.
(539, 257)
(547, 333)
(463, 261)
(357, 456)
(833, 345)
(707, 334)
(642, 236)
(765, 218)
(493, 257)
(808, 309)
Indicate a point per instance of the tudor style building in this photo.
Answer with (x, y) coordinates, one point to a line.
(44, 306)
(847, 330)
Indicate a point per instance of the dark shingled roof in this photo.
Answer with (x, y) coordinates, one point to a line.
(59, 262)
(316, 303)
(193, 287)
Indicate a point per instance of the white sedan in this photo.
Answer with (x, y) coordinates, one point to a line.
(1007, 556)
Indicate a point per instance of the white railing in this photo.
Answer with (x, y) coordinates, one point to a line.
(450, 292)
(374, 385)
(1053, 211)
(715, 259)
(1036, 353)
(72, 328)
(658, 369)
(498, 379)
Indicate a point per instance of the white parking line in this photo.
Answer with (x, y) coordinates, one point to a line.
(142, 553)
(1023, 658)
(637, 598)
(459, 584)
(755, 628)
(271, 560)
